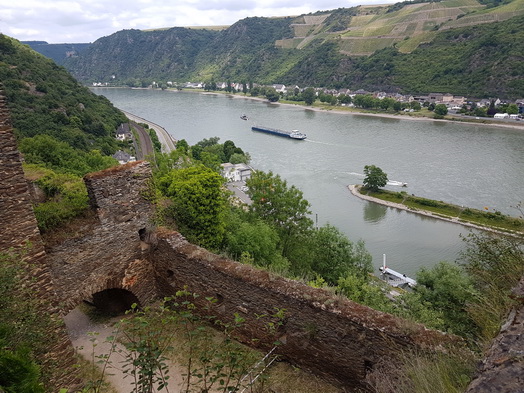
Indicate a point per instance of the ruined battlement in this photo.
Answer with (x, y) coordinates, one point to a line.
(21, 236)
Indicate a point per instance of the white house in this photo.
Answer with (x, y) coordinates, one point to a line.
(236, 172)
(280, 88)
(123, 157)
(501, 116)
(123, 132)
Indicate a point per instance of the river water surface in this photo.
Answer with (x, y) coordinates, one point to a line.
(464, 164)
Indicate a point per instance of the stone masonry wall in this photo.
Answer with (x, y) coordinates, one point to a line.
(329, 335)
(502, 370)
(20, 234)
(109, 254)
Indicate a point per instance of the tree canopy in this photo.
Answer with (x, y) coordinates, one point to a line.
(198, 203)
(281, 206)
(375, 177)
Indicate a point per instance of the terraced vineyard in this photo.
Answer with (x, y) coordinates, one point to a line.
(372, 28)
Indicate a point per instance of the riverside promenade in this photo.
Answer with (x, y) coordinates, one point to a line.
(167, 141)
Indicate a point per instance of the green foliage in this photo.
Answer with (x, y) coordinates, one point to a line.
(59, 124)
(359, 290)
(375, 177)
(198, 203)
(281, 206)
(156, 142)
(256, 238)
(449, 290)
(176, 328)
(60, 156)
(477, 61)
(328, 253)
(448, 371)
(495, 264)
(440, 110)
(272, 95)
(18, 373)
(27, 331)
(66, 197)
(309, 96)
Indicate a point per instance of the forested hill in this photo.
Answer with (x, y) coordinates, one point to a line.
(58, 52)
(58, 122)
(456, 46)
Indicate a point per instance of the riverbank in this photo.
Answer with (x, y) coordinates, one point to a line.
(355, 190)
(398, 116)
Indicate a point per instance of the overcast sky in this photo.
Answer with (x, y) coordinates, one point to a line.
(57, 21)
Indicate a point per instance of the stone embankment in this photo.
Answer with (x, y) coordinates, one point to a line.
(355, 190)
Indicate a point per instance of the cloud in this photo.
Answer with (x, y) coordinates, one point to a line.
(87, 20)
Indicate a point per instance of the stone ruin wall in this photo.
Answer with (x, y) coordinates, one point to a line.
(502, 370)
(332, 337)
(109, 253)
(20, 234)
(328, 335)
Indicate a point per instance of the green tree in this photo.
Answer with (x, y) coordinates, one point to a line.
(415, 105)
(281, 206)
(182, 146)
(441, 110)
(66, 197)
(495, 265)
(512, 109)
(309, 95)
(375, 177)
(272, 95)
(255, 237)
(449, 290)
(198, 203)
(333, 255)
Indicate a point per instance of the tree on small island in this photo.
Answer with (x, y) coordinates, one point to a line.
(375, 177)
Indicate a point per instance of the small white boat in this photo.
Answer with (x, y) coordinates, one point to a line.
(394, 278)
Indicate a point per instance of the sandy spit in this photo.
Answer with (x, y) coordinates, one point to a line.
(355, 190)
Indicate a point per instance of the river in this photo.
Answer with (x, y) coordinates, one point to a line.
(464, 164)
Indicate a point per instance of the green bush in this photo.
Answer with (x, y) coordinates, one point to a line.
(18, 373)
(66, 198)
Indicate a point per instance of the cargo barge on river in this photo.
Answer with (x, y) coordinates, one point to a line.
(295, 134)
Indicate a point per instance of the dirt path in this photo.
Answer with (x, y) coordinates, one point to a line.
(90, 340)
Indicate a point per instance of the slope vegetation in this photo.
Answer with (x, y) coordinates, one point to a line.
(413, 46)
(44, 99)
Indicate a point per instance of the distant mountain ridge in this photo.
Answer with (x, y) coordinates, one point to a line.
(57, 52)
(372, 47)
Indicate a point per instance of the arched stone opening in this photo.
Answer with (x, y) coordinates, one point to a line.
(114, 301)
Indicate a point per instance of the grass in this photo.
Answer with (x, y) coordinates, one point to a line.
(489, 219)
(281, 377)
(423, 373)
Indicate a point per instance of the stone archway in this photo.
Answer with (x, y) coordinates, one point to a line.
(114, 301)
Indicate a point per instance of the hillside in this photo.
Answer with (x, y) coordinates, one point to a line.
(397, 48)
(45, 100)
(133, 55)
(57, 52)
